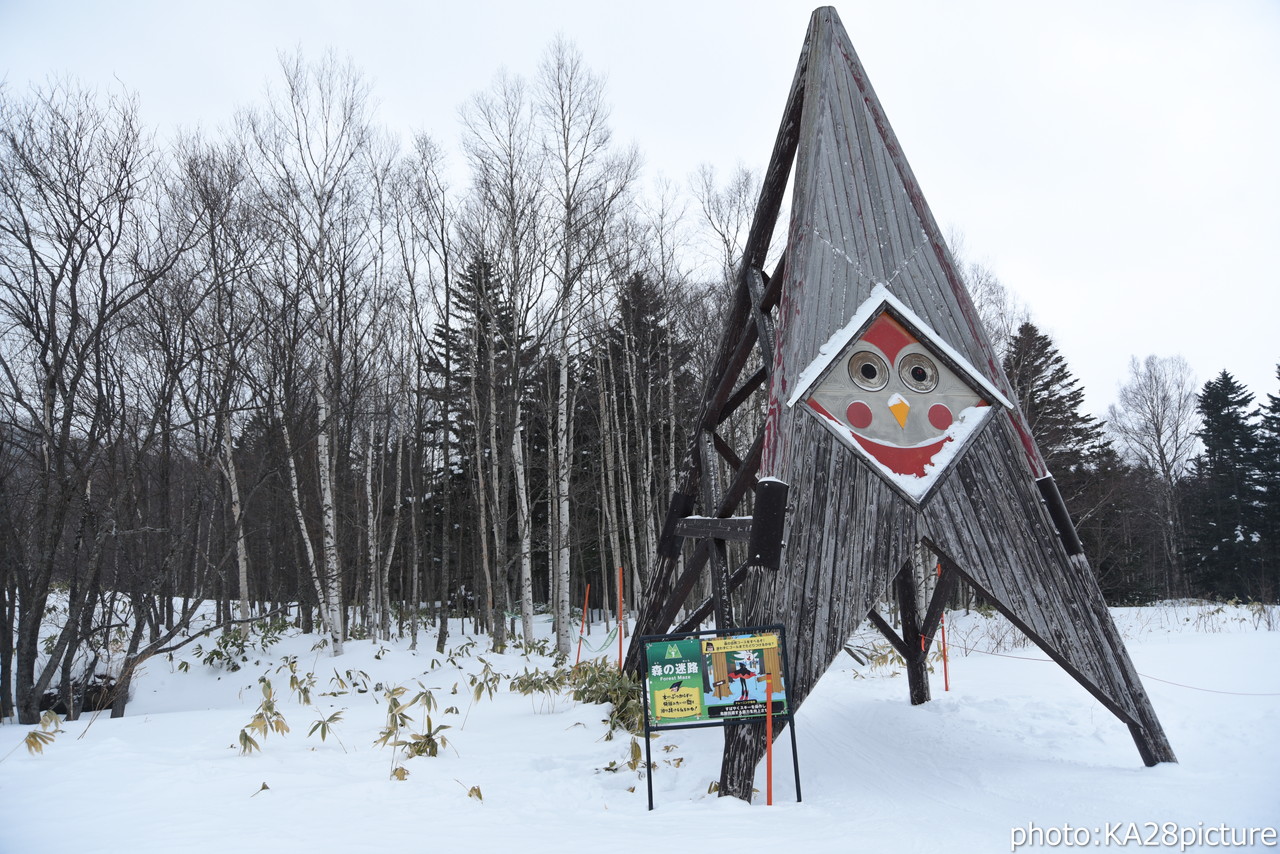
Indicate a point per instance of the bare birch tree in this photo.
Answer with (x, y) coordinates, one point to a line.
(586, 181)
(502, 225)
(425, 238)
(313, 153)
(1156, 422)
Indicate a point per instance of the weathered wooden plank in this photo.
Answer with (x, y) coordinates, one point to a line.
(890, 635)
(743, 393)
(728, 379)
(733, 528)
(938, 601)
(909, 611)
(727, 453)
(764, 325)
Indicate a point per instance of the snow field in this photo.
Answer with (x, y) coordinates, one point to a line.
(1015, 743)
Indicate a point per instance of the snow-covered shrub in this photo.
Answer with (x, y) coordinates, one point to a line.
(598, 681)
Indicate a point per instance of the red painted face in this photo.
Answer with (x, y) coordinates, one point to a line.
(897, 400)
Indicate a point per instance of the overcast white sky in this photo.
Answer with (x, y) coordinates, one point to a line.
(1114, 162)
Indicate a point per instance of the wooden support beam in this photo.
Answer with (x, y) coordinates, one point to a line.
(742, 393)
(887, 630)
(699, 614)
(728, 380)
(916, 653)
(773, 285)
(726, 451)
(721, 589)
(764, 326)
(718, 563)
(733, 528)
(938, 603)
(745, 478)
(669, 541)
(684, 584)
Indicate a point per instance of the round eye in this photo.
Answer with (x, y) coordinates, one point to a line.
(918, 372)
(868, 370)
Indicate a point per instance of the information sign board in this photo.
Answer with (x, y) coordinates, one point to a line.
(710, 680)
(703, 679)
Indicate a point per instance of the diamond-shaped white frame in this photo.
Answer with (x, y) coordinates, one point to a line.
(963, 429)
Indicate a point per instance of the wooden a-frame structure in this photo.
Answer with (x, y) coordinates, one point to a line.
(863, 245)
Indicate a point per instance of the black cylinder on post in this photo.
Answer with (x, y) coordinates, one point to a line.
(768, 521)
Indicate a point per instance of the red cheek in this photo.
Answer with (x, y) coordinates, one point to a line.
(940, 416)
(859, 415)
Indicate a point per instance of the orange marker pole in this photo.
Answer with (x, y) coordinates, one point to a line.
(622, 617)
(768, 738)
(946, 676)
(586, 598)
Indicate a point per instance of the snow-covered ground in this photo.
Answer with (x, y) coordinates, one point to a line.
(1015, 747)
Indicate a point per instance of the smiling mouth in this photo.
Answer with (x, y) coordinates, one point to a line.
(898, 459)
(902, 460)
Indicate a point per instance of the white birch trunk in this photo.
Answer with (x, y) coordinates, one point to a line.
(563, 441)
(373, 597)
(296, 499)
(605, 571)
(328, 518)
(384, 601)
(644, 523)
(483, 501)
(609, 413)
(233, 485)
(498, 508)
(526, 532)
(628, 512)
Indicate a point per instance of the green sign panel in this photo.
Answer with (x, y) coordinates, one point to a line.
(675, 681)
(714, 679)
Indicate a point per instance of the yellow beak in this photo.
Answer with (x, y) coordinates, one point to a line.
(899, 407)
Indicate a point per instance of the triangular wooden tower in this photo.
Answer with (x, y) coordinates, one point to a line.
(865, 316)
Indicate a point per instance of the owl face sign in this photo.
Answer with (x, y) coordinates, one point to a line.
(891, 395)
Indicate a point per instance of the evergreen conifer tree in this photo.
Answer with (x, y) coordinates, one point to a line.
(1052, 402)
(1089, 473)
(1224, 497)
(1269, 497)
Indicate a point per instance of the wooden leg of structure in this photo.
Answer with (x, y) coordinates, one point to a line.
(743, 747)
(916, 649)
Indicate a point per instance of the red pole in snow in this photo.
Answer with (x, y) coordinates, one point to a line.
(946, 676)
(768, 737)
(586, 598)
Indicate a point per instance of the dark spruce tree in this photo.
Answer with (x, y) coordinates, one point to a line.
(1091, 476)
(1052, 402)
(636, 393)
(1269, 497)
(482, 366)
(1224, 500)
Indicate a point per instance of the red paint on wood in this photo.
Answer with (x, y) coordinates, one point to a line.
(859, 414)
(940, 416)
(889, 335)
(902, 460)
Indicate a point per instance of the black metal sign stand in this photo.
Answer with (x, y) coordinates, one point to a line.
(783, 716)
